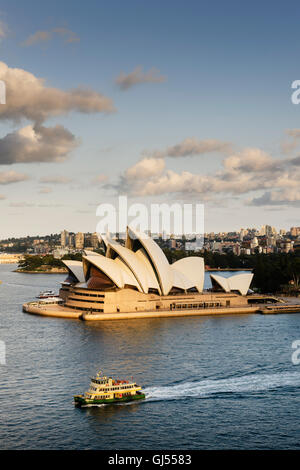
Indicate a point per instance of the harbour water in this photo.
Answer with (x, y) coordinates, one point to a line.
(212, 382)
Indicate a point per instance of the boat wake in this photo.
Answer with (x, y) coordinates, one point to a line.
(94, 405)
(236, 385)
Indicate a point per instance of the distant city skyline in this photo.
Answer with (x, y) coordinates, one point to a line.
(261, 230)
(250, 241)
(161, 101)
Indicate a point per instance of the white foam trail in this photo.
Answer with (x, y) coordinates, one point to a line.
(94, 405)
(206, 388)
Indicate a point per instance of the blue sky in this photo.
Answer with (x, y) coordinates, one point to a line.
(226, 71)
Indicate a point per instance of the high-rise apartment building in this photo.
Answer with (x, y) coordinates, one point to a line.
(71, 240)
(79, 241)
(64, 238)
(94, 240)
(295, 231)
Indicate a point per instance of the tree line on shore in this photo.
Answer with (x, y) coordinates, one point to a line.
(44, 263)
(273, 272)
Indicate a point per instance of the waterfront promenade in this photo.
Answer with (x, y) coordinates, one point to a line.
(53, 310)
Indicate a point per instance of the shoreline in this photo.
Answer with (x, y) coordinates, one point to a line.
(55, 271)
(228, 269)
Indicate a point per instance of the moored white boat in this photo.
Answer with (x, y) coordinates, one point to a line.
(45, 294)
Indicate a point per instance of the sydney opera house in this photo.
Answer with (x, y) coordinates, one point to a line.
(138, 279)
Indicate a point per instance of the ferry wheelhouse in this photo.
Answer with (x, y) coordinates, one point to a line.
(107, 390)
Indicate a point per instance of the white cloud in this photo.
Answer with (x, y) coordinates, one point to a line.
(187, 182)
(99, 179)
(289, 196)
(250, 159)
(44, 36)
(135, 178)
(295, 161)
(137, 76)
(9, 177)
(243, 172)
(28, 97)
(293, 141)
(293, 133)
(145, 168)
(36, 144)
(68, 35)
(55, 180)
(239, 175)
(191, 147)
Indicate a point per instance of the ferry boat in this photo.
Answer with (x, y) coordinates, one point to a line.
(106, 390)
(46, 293)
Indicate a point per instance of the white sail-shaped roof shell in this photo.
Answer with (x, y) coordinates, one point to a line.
(128, 277)
(116, 270)
(139, 265)
(102, 238)
(157, 256)
(221, 281)
(240, 282)
(192, 268)
(145, 266)
(76, 269)
(151, 277)
(180, 281)
(90, 253)
(237, 282)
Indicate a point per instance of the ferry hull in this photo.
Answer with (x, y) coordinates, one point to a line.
(81, 401)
